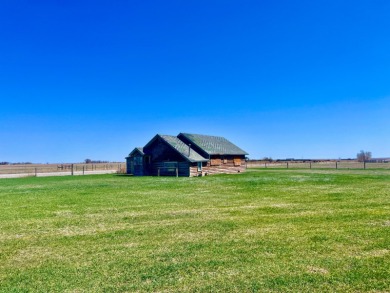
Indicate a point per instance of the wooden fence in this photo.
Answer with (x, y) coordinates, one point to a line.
(61, 169)
(318, 165)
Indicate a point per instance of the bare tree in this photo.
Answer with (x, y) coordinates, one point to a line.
(363, 156)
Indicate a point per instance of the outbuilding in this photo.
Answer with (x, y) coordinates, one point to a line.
(186, 155)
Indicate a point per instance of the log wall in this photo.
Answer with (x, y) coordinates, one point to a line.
(222, 165)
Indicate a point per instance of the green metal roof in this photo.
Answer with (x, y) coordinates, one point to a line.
(214, 145)
(187, 152)
(137, 149)
(186, 143)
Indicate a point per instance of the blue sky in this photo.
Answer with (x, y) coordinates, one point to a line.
(282, 79)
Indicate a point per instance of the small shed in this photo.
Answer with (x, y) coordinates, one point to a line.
(135, 162)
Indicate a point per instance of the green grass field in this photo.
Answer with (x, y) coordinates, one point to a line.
(263, 230)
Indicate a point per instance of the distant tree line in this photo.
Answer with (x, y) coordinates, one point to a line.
(89, 161)
(269, 159)
(363, 156)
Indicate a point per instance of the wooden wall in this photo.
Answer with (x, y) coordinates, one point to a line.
(220, 165)
(128, 165)
(183, 169)
(134, 165)
(160, 151)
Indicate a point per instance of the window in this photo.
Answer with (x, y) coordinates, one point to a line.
(137, 161)
(199, 166)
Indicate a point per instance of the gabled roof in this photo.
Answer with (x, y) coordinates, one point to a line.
(213, 145)
(184, 150)
(195, 147)
(139, 150)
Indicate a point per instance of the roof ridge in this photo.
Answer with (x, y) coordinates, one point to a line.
(213, 145)
(192, 155)
(198, 134)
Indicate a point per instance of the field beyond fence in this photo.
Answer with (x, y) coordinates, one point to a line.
(317, 165)
(25, 170)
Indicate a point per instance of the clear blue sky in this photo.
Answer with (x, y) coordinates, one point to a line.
(282, 79)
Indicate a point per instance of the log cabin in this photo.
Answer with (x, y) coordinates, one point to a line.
(186, 155)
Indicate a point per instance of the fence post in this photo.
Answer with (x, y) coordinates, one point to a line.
(177, 172)
(36, 171)
(336, 164)
(310, 165)
(287, 165)
(83, 169)
(72, 169)
(158, 172)
(364, 165)
(265, 165)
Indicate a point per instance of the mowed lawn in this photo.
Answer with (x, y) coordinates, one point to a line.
(263, 230)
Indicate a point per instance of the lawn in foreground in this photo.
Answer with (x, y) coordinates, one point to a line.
(264, 230)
